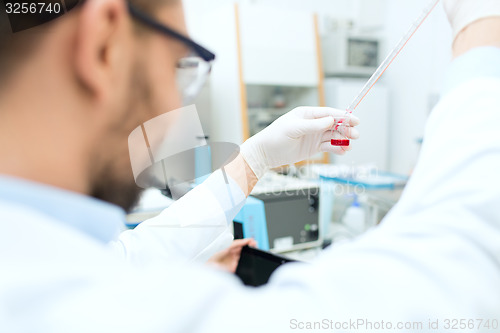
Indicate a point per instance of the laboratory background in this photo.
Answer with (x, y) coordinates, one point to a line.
(275, 55)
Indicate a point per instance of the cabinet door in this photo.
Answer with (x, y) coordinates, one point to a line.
(278, 48)
(216, 30)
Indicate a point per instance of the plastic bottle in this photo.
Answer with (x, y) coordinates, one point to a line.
(354, 218)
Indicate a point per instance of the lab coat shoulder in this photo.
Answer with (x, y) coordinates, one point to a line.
(448, 220)
(456, 179)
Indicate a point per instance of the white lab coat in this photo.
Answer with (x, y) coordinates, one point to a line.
(435, 257)
(191, 229)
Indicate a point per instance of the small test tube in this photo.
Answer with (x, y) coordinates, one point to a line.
(338, 132)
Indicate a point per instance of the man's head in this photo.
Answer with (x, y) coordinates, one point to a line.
(72, 90)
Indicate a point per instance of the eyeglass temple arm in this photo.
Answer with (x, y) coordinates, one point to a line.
(147, 20)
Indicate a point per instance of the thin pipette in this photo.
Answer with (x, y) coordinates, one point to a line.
(388, 61)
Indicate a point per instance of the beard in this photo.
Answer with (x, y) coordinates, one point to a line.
(116, 190)
(113, 179)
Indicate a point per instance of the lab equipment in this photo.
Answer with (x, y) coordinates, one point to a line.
(251, 223)
(348, 53)
(281, 215)
(388, 61)
(291, 212)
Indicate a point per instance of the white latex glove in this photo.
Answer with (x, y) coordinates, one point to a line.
(461, 13)
(296, 136)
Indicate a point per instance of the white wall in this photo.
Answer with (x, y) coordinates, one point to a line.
(415, 78)
(340, 8)
(371, 13)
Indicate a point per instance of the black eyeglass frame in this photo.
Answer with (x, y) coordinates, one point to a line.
(151, 22)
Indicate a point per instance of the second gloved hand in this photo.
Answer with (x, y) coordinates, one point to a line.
(294, 137)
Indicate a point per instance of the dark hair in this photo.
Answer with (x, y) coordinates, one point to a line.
(20, 35)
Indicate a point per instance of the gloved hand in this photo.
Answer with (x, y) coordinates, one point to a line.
(461, 13)
(296, 136)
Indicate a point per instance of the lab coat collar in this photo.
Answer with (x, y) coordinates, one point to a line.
(96, 218)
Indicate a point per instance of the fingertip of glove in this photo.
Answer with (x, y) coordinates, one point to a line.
(354, 121)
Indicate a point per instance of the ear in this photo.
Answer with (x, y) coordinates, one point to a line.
(103, 45)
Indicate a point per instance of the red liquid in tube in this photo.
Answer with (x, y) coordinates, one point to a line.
(340, 143)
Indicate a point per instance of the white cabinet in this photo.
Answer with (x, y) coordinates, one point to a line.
(278, 48)
(217, 30)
